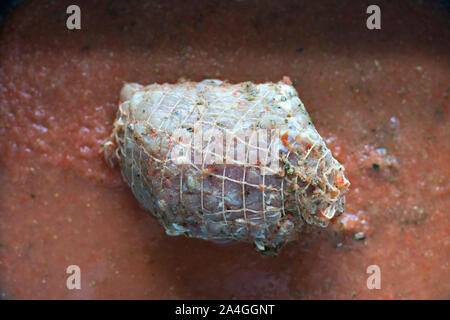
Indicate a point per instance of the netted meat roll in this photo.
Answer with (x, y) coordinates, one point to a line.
(215, 160)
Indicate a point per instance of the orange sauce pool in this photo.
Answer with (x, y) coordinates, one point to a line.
(379, 98)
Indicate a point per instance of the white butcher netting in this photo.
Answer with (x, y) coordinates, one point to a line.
(196, 154)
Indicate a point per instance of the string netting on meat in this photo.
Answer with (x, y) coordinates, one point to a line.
(216, 189)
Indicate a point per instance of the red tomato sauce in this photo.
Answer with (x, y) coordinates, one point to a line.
(379, 98)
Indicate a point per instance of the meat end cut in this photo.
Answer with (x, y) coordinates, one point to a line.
(215, 160)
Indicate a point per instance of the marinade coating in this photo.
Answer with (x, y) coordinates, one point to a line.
(226, 199)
